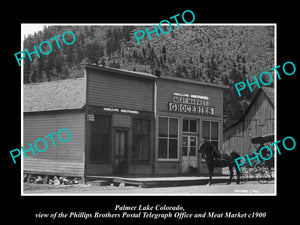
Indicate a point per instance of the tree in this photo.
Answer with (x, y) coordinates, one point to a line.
(93, 52)
(225, 80)
(163, 50)
(79, 55)
(58, 64)
(109, 47)
(126, 32)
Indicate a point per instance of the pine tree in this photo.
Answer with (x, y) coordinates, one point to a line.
(163, 50)
(93, 52)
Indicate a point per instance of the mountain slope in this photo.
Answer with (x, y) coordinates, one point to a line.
(218, 54)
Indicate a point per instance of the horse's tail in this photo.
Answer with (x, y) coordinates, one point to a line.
(235, 155)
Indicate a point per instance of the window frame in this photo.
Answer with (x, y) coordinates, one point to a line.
(210, 140)
(140, 138)
(168, 138)
(189, 126)
(92, 158)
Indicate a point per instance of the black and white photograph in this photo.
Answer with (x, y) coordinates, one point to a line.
(149, 119)
(168, 118)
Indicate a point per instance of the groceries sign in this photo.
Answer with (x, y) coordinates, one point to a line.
(191, 104)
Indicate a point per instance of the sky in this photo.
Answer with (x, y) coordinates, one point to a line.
(30, 28)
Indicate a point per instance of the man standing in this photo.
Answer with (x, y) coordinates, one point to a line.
(205, 147)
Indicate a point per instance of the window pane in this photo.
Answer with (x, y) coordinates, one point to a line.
(184, 151)
(215, 144)
(184, 141)
(136, 126)
(193, 125)
(136, 147)
(163, 127)
(94, 147)
(145, 127)
(193, 151)
(162, 148)
(145, 148)
(100, 139)
(206, 129)
(104, 147)
(173, 126)
(192, 141)
(173, 148)
(214, 130)
(141, 139)
(104, 123)
(185, 126)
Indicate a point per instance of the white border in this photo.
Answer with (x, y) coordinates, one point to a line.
(151, 24)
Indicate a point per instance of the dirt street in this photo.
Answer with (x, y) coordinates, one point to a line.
(251, 188)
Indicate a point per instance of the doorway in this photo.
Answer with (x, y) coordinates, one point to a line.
(189, 154)
(121, 152)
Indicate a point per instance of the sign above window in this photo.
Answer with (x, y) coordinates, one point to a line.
(191, 104)
(110, 109)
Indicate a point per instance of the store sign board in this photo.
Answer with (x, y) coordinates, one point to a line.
(111, 109)
(191, 104)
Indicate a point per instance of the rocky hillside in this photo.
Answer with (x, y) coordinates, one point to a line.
(218, 54)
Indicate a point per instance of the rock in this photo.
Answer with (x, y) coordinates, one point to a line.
(45, 179)
(56, 181)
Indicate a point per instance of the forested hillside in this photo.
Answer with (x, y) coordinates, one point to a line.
(218, 54)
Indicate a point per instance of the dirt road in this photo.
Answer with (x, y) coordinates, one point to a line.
(250, 188)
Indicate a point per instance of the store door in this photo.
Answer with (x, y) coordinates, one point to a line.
(189, 154)
(121, 152)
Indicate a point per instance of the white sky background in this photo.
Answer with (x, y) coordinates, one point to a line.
(30, 28)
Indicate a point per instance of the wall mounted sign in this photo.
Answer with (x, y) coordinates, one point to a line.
(191, 104)
(90, 117)
(111, 109)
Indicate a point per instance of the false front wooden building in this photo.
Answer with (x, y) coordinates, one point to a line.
(122, 122)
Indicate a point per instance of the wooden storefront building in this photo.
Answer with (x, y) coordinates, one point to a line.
(258, 120)
(122, 123)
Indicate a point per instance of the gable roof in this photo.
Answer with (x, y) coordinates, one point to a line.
(269, 92)
(54, 95)
(121, 71)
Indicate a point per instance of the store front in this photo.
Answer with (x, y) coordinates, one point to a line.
(126, 123)
(150, 125)
(186, 112)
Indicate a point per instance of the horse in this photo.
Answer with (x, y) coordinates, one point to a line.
(216, 158)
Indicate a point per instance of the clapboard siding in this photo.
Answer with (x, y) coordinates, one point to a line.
(121, 120)
(166, 88)
(258, 121)
(54, 167)
(120, 91)
(65, 157)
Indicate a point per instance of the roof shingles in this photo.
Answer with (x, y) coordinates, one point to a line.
(54, 95)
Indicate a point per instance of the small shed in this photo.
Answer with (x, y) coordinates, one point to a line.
(258, 120)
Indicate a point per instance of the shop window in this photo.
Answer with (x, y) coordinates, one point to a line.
(168, 138)
(101, 138)
(141, 140)
(189, 125)
(210, 131)
(189, 145)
